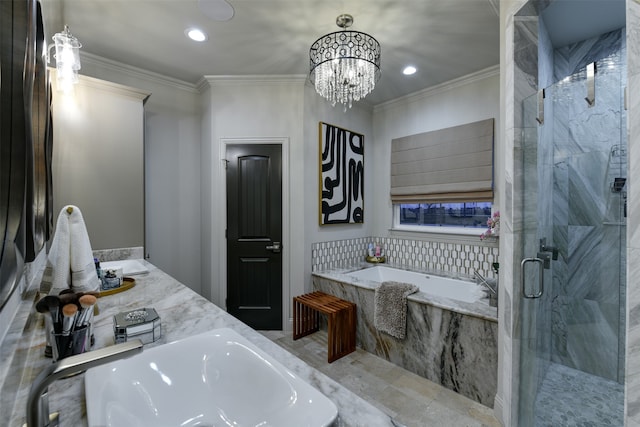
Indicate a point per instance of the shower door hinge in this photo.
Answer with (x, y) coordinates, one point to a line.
(591, 84)
(540, 117)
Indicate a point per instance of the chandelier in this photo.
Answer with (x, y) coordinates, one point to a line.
(67, 58)
(345, 65)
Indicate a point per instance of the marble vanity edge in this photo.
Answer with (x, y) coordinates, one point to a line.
(174, 302)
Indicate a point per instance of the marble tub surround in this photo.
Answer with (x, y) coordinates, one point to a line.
(183, 313)
(454, 344)
(482, 309)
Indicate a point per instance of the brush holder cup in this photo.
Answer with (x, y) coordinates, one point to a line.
(75, 342)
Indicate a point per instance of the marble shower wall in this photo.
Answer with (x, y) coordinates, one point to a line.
(589, 151)
(520, 340)
(559, 323)
(461, 258)
(518, 82)
(632, 371)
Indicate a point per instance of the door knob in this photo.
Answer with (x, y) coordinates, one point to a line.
(275, 247)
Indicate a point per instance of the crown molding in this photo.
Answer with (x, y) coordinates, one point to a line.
(113, 87)
(278, 79)
(140, 73)
(440, 88)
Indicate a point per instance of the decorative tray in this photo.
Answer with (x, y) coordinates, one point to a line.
(376, 259)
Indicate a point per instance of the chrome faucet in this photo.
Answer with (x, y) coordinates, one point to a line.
(38, 401)
(492, 291)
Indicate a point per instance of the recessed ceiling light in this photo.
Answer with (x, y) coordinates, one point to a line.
(195, 34)
(408, 70)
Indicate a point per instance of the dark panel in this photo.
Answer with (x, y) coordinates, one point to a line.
(253, 286)
(38, 171)
(254, 196)
(17, 59)
(254, 223)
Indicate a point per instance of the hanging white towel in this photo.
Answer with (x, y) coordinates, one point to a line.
(70, 261)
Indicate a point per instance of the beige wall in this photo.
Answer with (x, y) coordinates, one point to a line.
(98, 162)
(465, 100)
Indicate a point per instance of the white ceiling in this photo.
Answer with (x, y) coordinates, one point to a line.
(444, 39)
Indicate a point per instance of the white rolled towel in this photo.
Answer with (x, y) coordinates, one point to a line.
(70, 260)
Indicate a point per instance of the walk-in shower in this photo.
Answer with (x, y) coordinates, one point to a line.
(574, 172)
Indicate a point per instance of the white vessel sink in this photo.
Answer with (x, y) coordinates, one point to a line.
(218, 378)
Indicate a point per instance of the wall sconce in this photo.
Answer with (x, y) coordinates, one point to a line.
(67, 57)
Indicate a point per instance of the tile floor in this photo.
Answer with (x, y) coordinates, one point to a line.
(586, 400)
(410, 399)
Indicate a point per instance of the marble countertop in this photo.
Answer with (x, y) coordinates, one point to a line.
(480, 309)
(183, 313)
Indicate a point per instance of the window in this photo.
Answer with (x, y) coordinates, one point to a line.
(443, 179)
(465, 214)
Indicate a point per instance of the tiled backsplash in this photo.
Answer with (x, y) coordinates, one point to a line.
(338, 253)
(458, 258)
(136, 252)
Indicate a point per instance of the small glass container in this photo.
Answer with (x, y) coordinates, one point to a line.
(76, 341)
(111, 279)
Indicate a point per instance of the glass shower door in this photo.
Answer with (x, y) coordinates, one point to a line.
(574, 226)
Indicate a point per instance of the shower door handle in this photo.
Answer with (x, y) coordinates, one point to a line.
(540, 280)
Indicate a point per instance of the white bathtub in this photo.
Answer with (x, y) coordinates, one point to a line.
(437, 286)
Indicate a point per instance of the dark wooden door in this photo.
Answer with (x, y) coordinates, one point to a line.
(254, 234)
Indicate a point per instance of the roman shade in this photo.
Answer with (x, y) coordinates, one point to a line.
(447, 165)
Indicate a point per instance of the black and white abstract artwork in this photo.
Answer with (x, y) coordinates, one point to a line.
(341, 175)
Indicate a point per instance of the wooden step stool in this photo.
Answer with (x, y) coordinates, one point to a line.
(341, 319)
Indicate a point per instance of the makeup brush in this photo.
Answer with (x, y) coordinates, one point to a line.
(42, 306)
(94, 293)
(68, 299)
(54, 306)
(86, 302)
(69, 312)
(49, 304)
(54, 310)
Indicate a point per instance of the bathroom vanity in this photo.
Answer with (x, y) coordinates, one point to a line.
(183, 313)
